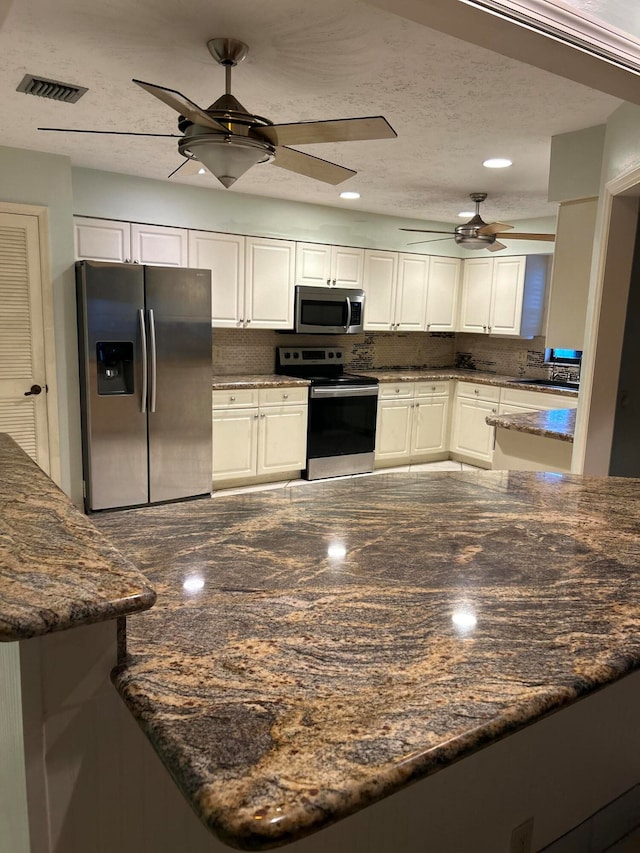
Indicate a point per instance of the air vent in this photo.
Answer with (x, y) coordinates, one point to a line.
(52, 89)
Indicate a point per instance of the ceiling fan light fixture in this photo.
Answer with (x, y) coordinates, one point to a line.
(497, 163)
(465, 214)
(226, 157)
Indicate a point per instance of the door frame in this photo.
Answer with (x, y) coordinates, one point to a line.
(41, 213)
(614, 246)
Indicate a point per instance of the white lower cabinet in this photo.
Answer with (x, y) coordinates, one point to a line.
(259, 434)
(472, 438)
(413, 422)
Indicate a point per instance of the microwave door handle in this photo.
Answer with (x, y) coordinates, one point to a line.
(348, 312)
(143, 348)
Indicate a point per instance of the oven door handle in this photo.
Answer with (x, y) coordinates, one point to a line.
(354, 391)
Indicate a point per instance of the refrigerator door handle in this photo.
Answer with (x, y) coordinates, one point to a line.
(152, 348)
(143, 346)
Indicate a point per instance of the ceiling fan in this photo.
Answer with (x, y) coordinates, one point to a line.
(228, 140)
(476, 234)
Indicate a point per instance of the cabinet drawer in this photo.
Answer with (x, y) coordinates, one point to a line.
(235, 397)
(283, 395)
(536, 400)
(490, 393)
(431, 389)
(396, 390)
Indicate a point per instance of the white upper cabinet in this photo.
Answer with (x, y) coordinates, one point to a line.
(410, 292)
(155, 244)
(101, 240)
(269, 276)
(125, 242)
(443, 293)
(504, 296)
(329, 266)
(223, 254)
(411, 295)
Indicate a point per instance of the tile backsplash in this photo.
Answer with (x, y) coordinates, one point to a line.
(238, 351)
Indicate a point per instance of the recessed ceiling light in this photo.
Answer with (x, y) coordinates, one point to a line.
(349, 195)
(202, 171)
(497, 163)
(465, 214)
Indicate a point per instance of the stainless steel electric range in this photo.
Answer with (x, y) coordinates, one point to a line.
(341, 430)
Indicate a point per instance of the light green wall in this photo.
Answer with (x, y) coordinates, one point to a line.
(112, 196)
(622, 142)
(30, 177)
(576, 163)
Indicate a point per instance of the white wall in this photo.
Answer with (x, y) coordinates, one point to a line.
(576, 164)
(29, 177)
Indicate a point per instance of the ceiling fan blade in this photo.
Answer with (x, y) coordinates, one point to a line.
(181, 104)
(496, 247)
(188, 167)
(493, 228)
(437, 240)
(544, 237)
(333, 130)
(112, 132)
(427, 231)
(312, 167)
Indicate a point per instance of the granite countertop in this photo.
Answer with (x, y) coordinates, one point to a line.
(317, 648)
(480, 377)
(56, 570)
(255, 380)
(555, 423)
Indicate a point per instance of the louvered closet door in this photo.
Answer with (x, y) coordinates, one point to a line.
(22, 337)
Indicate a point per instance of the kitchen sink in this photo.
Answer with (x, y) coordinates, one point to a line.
(547, 383)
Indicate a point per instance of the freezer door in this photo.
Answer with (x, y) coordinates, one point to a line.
(111, 331)
(178, 305)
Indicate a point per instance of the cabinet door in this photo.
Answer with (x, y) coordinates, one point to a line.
(411, 293)
(442, 294)
(347, 267)
(223, 254)
(380, 272)
(102, 240)
(393, 430)
(313, 264)
(471, 433)
(475, 302)
(506, 296)
(430, 427)
(282, 439)
(270, 267)
(235, 434)
(159, 245)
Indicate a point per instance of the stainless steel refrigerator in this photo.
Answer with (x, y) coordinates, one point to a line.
(145, 379)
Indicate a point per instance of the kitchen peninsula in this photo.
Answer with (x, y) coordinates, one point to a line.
(315, 649)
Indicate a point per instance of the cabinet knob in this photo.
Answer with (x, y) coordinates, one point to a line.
(232, 399)
(489, 328)
(494, 411)
(328, 282)
(484, 328)
(397, 390)
(255, 417)
(433, 387)
(247, 322)
(285, 396)
(475, 391)
(263, 415)
(334, 282)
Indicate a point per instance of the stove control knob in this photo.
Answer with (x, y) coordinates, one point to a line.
(338, 355)
(330, 355)
(296, 355)
(287, 355)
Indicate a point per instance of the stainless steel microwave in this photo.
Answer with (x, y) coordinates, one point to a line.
(328, 310)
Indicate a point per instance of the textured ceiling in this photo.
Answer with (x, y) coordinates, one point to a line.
(452, 104)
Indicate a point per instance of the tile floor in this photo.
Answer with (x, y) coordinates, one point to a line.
(446, 465)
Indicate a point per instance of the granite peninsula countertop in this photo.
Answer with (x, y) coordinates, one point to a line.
(255, 380)
(56, 570)
(317, 648)
(554, 423)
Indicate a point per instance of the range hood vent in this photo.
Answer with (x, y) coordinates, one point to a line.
(52, 89)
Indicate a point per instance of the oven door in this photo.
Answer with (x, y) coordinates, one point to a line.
(342, 421)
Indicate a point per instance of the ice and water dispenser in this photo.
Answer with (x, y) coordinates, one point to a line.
(115, 367)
